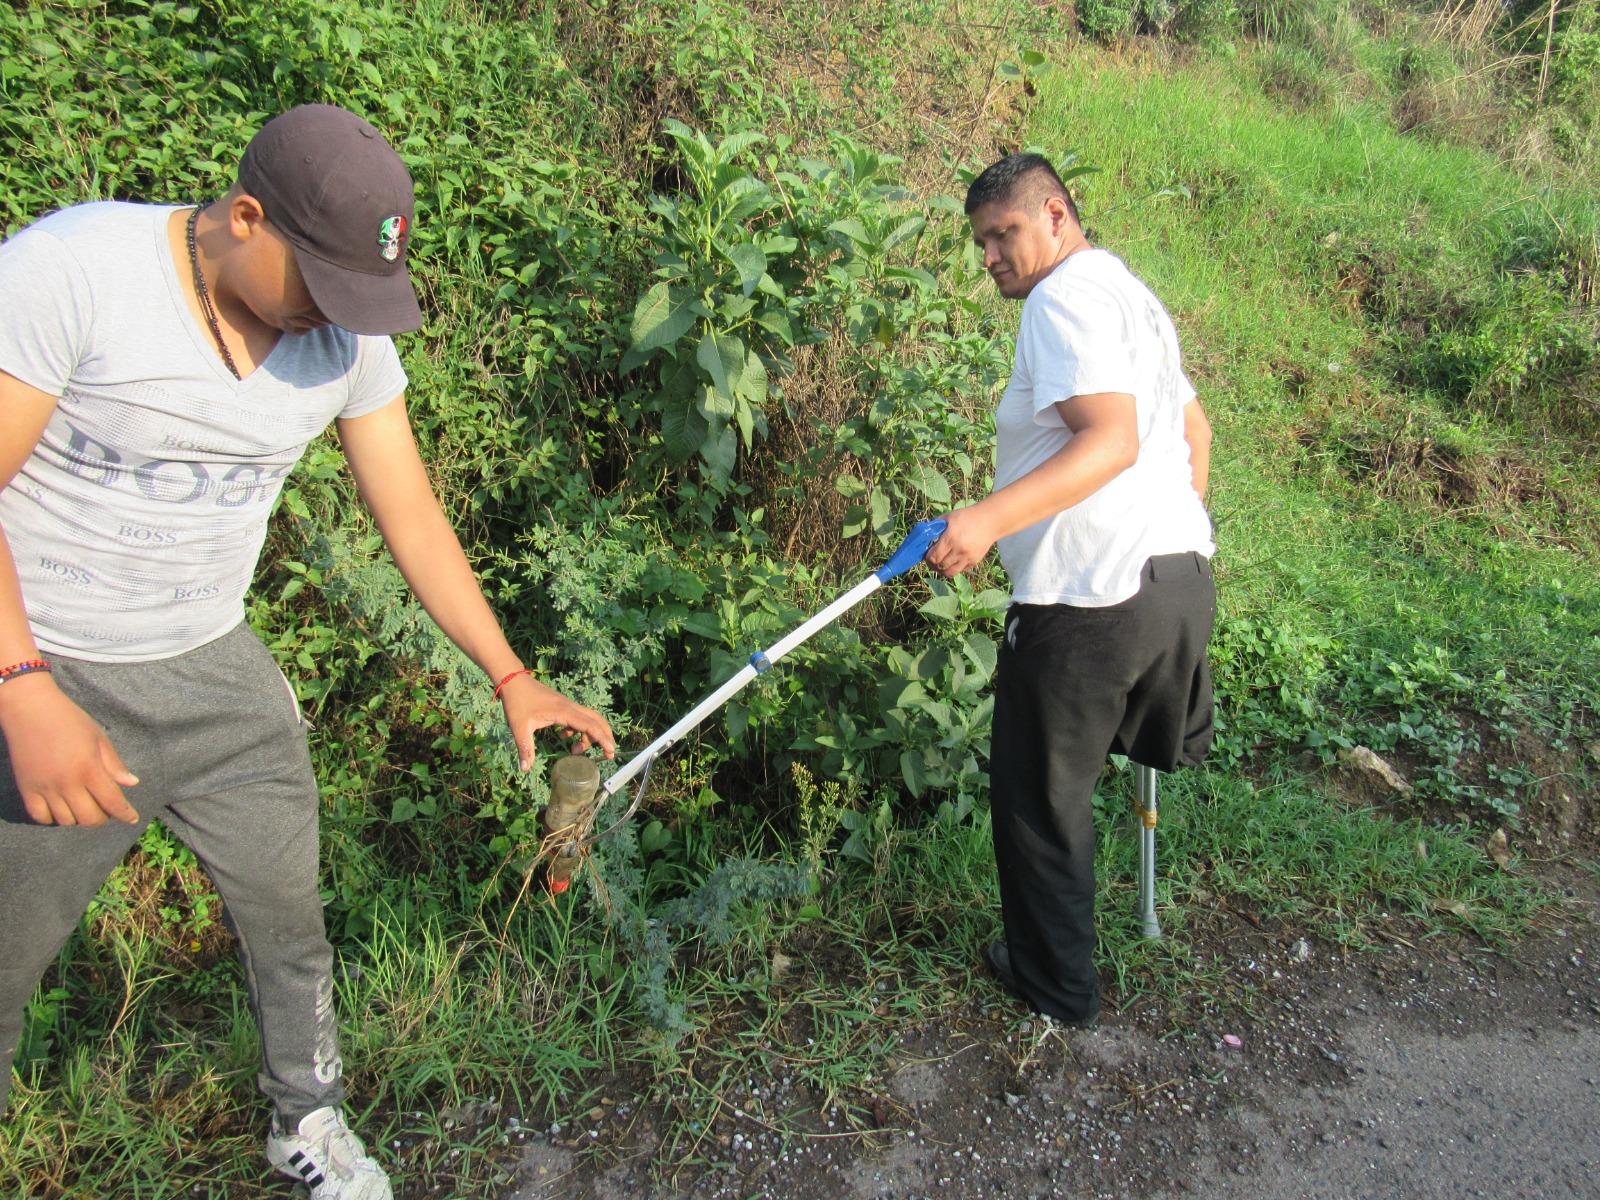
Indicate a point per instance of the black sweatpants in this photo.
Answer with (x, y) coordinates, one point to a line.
(1073, 685)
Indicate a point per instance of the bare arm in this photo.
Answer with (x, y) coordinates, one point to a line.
(66, 768)
(394, 483)
(1105, 443)
(1197, 431)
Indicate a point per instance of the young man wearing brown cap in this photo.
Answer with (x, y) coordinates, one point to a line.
(1101, 458)
(161, 371)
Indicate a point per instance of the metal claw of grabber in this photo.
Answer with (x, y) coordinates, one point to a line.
(1145, 783)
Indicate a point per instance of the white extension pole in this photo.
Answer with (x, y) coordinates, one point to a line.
(758, 663)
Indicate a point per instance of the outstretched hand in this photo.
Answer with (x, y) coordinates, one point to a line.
(66, 768)
(531, 706)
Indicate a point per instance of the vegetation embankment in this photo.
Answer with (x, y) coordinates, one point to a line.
(706, 335)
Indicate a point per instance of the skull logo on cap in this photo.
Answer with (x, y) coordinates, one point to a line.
(391, 237)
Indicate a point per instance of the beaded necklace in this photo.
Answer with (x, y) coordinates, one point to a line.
(206, 306)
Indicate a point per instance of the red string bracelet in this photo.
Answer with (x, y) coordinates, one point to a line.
(26, 667)
(500, 687)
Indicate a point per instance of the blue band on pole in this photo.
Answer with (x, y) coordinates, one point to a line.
(912, 551)
(758, 660)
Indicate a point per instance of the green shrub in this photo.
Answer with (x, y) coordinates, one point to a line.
(1107, 19)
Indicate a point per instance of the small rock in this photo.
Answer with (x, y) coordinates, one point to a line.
(1499, 849)
(1365, 765)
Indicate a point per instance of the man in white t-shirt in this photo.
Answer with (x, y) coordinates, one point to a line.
(161, 371)
(1101, 461)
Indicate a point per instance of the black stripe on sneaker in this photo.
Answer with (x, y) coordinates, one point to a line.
(303, 1164)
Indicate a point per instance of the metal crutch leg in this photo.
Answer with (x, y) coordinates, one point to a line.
(1145, 781)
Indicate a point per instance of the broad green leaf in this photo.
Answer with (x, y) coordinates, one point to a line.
(992, 600)
(852, 229)
(683, 430)
(908, 228)
(745, 415)
(924, 281)
(660, 318)
(738, 142)
(916, 776)
(930, 483)
(849, 486)
(753, 198)
(778, 322)
(715, 406)
(863, 321)
(943, 608)
(751, 264)
(721, 452)
(721, 355)
(984, 652)
(900, 693)
(753, 379)
(855, 521)
(654, 837)
(680, 131)
(733, 308)
(678, 378)
(882, 521)
(706, 625)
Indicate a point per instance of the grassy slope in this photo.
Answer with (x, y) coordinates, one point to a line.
(1297, 377)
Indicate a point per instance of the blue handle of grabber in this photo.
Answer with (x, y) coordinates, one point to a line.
(913, 550)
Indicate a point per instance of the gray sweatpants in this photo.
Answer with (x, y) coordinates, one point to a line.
(217, 742)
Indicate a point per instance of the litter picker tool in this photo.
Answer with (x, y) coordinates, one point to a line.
(577, 795)
(575, 780)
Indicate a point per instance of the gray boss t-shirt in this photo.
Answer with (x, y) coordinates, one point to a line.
(137, 521)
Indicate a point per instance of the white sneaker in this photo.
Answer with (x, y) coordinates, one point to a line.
(329, 1159)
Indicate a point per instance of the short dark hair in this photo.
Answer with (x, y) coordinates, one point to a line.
(1020, 180)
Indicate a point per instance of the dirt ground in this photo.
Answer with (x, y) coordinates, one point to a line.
(1415, 1070)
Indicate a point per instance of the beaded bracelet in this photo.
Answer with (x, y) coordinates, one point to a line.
(500, 687)
(26, 667)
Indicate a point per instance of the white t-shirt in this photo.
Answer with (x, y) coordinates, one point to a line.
(1088, 327)
(137, 521)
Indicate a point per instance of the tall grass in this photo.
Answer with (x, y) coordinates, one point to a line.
(1369, 513)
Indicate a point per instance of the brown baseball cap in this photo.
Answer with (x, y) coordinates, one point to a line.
(339, 193)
